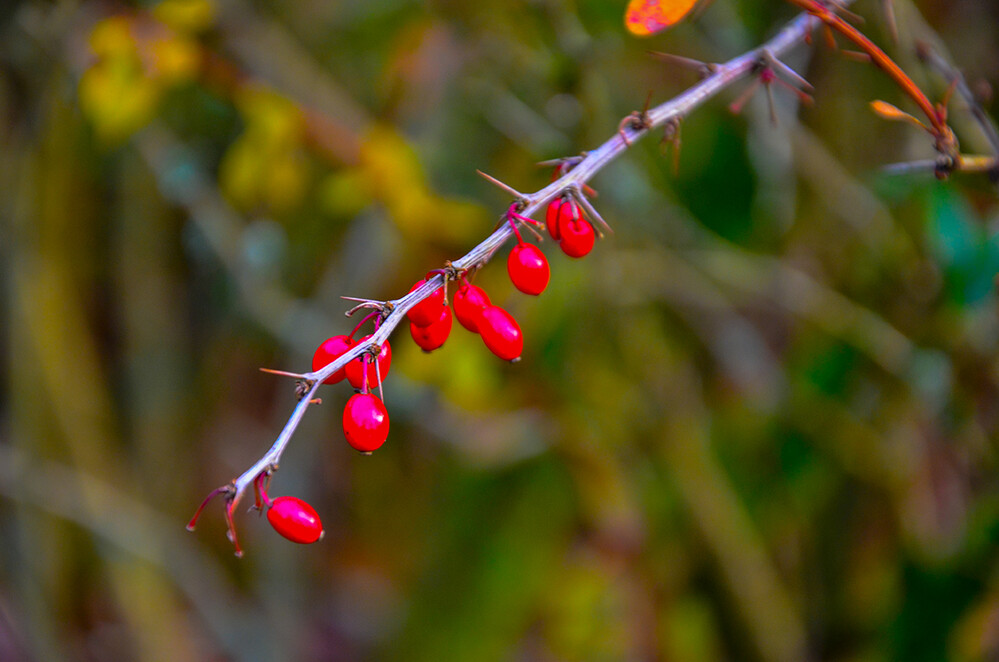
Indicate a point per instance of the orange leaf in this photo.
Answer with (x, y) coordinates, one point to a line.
(647, 17)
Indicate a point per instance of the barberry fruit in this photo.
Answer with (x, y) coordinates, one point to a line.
(355, 369)
(431, 337)
(528, 268)
(577, 236)
(295, 520)
(469, 301)
(501, 333)
(365, 422)
(427, 311)
(329, 351)
(552, 216)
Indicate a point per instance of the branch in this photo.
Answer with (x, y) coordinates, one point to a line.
(586, 167)
(927, 54)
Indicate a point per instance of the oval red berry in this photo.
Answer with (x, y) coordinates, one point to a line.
(329, 351)
(295, 520)
(501, 333)
(365, 422)
(577, 237)
(528, 269)
(552, 216)
(355, 369)
(432, 337)
(427, 311)
(469, 301)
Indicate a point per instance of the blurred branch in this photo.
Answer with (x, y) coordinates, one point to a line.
(928, 54)
(134, 529)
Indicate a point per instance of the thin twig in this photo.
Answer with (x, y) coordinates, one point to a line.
(926, 53)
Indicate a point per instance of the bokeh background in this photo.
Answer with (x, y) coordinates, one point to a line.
(757, 423)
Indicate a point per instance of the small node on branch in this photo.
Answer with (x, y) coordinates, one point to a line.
(512, 217)
(383, 307)
(302, 388)
(767, 70)
(636, 121)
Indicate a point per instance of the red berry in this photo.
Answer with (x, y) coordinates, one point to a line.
(577, 236)
(469, 300)
(552, 216)
(427, 311)
(569, 211)
(528, 268)
(329, 351)
(431, 337)
(501, 333)
(365, 422)
(355, 369)
(295, 520)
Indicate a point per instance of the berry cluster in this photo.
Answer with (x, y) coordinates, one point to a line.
(365, 418)
(567, 226)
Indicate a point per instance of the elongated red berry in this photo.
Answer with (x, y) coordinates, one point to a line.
(329, 351)
(431, 337)
(295, 520)
(355, 369)
(427, 311)
(501, 333)
(569, 211)
(365, 422)
(577, 236)
(468, 302)
(528, 268)
(552, 215)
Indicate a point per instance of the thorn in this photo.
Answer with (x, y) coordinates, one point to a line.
(590, 210)
(889, 12)
(702, 69)
(830, 37)
(856, 56)
(945, 101)
(671, 137)
(509, 189)
(849, 15)
(771, 104)
(782, 69)
(736, 106)
(564, 161)
(282, 373)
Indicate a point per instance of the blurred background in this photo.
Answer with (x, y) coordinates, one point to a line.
(757, 423)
